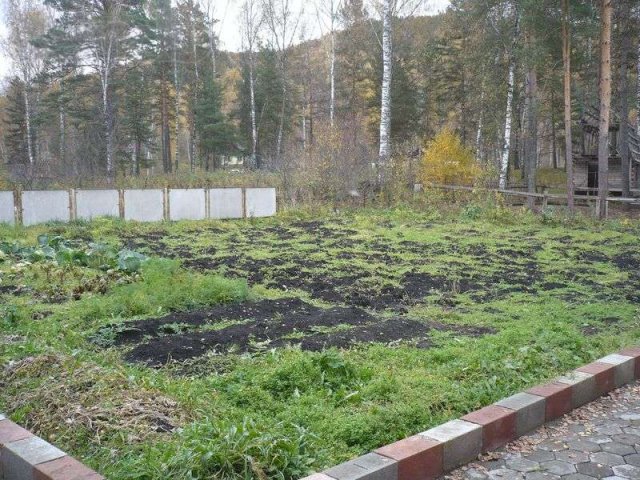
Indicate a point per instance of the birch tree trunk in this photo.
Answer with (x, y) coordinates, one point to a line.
(480, 126)
(108, 126)
(508, 117)
(385, 101)
(508, 122)
(624, 106)
(177, 100)
(638, 91)
(251, 23)
(568, 135)
(192, 127)
(531, 146)
(254, 124)
(605, 107)
(332, 73)
(27, 118)
(62, 136)
(283, 106)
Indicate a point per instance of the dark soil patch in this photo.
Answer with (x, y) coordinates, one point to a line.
(262, 311)
(266, 324)
(395, 330)
(14, 290)
(274, 320)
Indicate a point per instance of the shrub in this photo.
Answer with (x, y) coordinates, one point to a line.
(447, 161)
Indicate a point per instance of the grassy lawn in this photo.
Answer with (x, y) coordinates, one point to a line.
(271, 348)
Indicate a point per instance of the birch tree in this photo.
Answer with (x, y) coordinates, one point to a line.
(100, 34)
(328, 12)
(605, 106)
(26, 21)
(624, 30)
(508, 116)
(388, 10)
(385, 99)
(250, 21)
(282, 22)
(568, 139)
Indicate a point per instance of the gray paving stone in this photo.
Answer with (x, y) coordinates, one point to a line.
(553, 445)
(618, 448)
(542, 476)
(627, 471)
(505, 474)
(572, 456)
(577, 476)
(595, 470)
(473, 474)
(540, 456)
(632, 430)
(605, 445)
(523, 465)
(609, 429)
(627, 439)
(584, 445)
(558, 467)
(606, 458)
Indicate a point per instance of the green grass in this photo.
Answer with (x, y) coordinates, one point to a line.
(283, 413)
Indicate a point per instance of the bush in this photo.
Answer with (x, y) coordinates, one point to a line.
(447, 161)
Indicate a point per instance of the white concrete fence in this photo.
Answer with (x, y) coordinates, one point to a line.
(40, 206)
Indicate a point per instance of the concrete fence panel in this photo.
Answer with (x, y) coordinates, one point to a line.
(7, 212)
(144, 205)
(225, 203)
(97, 203)
(261, 202)
(45, 206)
(187, 204)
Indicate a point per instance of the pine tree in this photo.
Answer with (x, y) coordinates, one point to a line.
(16, 125)
(216, 136)
(137, 115)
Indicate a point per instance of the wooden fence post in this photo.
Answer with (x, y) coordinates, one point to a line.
(121, 205)
(17, 205)
(545, 199)
(73, 211)
(207, 204)
(244, 203)
(166, 206)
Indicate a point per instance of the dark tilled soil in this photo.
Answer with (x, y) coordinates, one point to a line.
(136, 331)
(268, 324)
(394, 330)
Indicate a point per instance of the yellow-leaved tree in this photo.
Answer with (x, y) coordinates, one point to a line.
(447, 161)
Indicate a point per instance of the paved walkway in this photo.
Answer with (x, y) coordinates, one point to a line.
(598, 441)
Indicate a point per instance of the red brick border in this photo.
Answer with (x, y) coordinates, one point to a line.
(428, 455)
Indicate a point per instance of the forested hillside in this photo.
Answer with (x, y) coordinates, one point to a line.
(118, 88)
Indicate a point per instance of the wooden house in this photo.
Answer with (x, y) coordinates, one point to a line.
(585, 157)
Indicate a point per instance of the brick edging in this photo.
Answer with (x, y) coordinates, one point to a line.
(23, 456)
(430, 454)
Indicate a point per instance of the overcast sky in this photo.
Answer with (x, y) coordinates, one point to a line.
(227, 11)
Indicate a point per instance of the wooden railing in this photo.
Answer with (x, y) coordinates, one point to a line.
(544, 197)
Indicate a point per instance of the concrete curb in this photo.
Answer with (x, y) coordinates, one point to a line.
(23, 456)
(430, 454)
